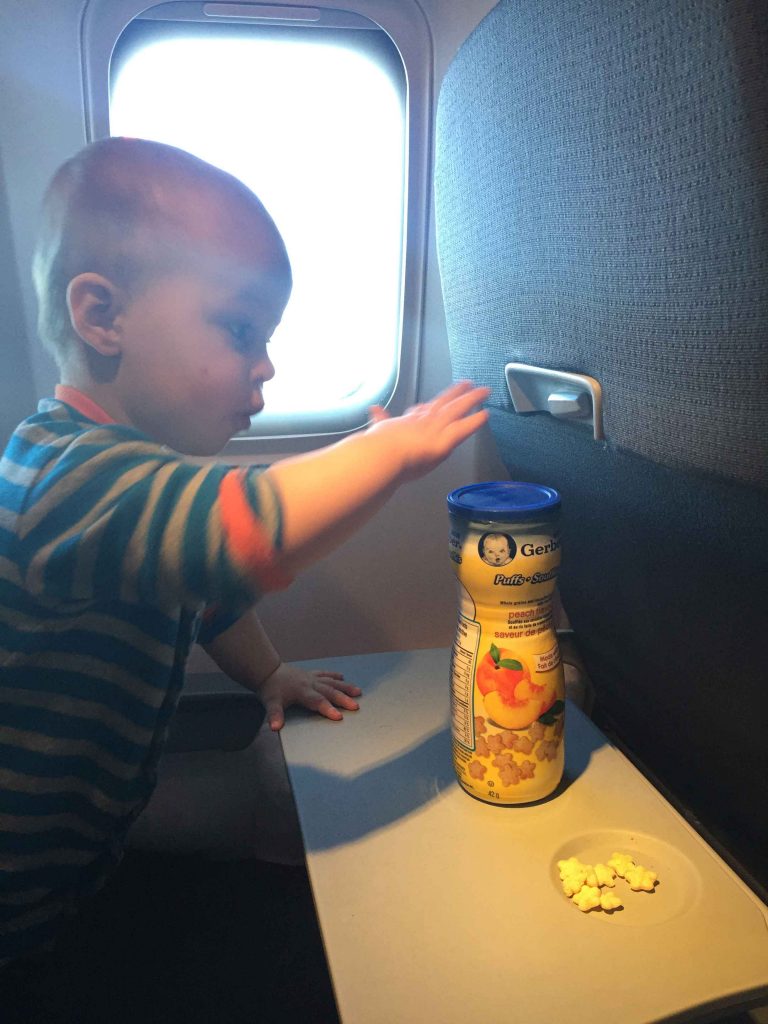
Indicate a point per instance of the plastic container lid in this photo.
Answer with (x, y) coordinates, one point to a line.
(503, 500)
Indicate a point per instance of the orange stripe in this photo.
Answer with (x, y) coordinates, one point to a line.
(85, 405)
(249, 543)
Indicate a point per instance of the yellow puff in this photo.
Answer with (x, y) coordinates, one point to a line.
(609, 901)
(621, 862)
(588, 898)
(567, 867)
(574, 882)
(573, 875)
(641, 878)
(605, 875)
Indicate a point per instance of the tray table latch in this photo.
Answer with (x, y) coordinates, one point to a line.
(572, 396)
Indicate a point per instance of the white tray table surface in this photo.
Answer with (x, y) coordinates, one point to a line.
(435, 906)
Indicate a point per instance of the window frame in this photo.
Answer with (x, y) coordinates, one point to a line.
(103, 23)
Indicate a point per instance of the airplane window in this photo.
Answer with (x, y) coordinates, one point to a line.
(314, 121)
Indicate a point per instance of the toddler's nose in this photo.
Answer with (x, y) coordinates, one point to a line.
(262, 369)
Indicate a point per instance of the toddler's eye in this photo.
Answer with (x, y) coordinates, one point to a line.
(242, 333)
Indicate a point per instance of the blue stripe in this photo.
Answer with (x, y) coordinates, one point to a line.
(30, 454)
(23, 843)
(85, 687)
(20, 448)
(40, 805)
(55, 726)
(29, 762)
(58, 877)
(68, 513)
(111, 649)
(150, 620)
(252, 484)
(13, 496)
(7, 540)
(120, 529)
(23, 451)
(81, 453)
(94, 485)
(198, 580)
(59, 572)
(165, 503)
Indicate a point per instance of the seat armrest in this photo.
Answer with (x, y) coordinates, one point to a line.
(214, 713)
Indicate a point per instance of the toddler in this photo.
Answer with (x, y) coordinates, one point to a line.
(160, 280)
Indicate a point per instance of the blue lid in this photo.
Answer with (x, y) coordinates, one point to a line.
(503, 500)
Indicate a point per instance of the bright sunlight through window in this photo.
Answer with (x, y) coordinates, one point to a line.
(317, 130)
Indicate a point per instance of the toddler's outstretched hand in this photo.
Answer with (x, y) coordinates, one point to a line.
(428, 433)
(328, 494)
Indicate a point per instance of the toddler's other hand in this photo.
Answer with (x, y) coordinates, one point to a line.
(428, 433)
(319, 690)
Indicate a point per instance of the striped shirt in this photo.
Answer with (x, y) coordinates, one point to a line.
(115, 555)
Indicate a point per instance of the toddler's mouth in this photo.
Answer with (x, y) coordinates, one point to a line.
(254, 410)
(243, 419)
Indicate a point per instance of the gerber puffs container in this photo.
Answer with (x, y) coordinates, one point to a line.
(507, 687)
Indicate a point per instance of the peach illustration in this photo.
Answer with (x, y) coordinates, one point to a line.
(512, 700)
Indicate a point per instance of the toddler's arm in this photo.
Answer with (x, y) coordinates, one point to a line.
(245, 653)
(330, 493)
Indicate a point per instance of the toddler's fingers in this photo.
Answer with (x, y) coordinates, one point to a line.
(322, 706)
(460, 404)
(336, 679)
(453, 392)
(275, 715)
(378, 414)
(339, 697)
(464, 428)
(349, 688)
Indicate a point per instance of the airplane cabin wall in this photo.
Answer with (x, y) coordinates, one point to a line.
(16, 389)
(390, 586)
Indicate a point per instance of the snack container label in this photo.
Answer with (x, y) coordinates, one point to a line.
(507, 686)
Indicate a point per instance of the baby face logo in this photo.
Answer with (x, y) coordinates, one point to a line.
(497, 548)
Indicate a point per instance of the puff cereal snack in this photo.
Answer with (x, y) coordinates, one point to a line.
(621, 862)
(640, 879)
(582, 883)
(587, 898)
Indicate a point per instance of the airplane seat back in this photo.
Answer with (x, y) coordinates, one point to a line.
(602, 207)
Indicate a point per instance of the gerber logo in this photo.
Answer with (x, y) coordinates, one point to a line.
(527, 550)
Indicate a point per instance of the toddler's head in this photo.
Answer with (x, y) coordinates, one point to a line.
(160, 279)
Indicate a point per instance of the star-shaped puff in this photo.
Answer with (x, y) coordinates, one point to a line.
(605, 875)
(640, 878)
(588, 898)
(573, 875)
(620, 862)
(609, 901)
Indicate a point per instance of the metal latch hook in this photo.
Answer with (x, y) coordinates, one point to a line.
(572, 396)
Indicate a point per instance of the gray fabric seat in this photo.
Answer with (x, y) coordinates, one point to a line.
(602, 207)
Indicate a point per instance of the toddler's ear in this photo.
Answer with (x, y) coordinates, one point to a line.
(94, 303)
